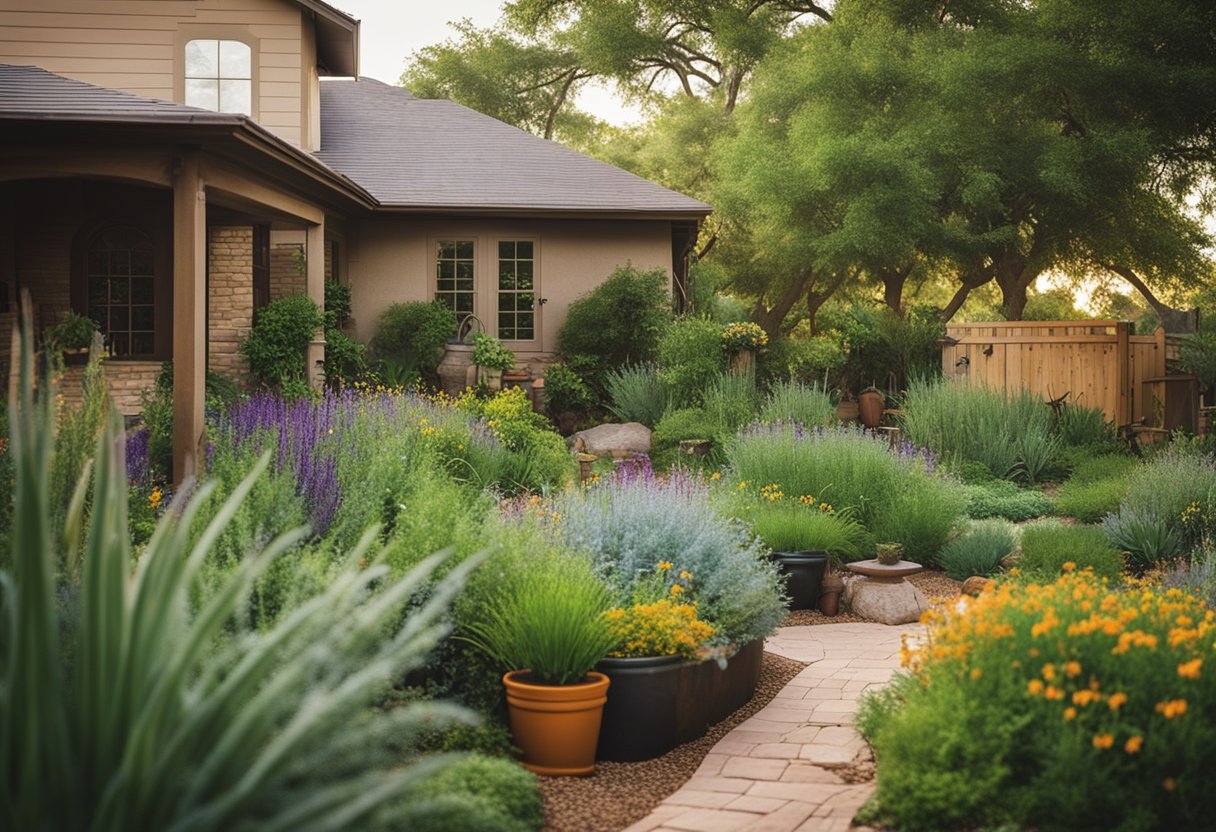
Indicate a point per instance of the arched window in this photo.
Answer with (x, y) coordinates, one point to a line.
(219, 75)
(121, 289)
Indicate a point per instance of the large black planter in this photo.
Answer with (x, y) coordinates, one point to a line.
(640, 716)
(658, 703)
(804, 571)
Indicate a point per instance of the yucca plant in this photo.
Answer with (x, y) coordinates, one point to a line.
(123, 705)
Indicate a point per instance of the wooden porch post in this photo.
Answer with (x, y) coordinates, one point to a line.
(315, 283)
(189, 315)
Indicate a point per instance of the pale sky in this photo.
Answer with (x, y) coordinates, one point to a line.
(393, 29)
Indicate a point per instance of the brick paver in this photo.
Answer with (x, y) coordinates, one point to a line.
(774, 771)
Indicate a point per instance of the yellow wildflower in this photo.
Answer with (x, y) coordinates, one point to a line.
(976, 673)
(676, 589)
(154, 498)
(664, 565)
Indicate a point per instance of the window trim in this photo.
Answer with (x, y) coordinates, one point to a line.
(189, 32)
(519, 345)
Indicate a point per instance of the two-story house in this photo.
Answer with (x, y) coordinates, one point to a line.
(169, 166)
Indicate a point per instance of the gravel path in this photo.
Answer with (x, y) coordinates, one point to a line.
(619, 794)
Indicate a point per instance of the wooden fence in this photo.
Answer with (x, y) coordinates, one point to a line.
(1097, 363)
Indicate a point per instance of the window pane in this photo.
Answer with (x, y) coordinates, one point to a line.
(447, 249)
(464, 303)
(120, 318)
(464, 269)
(142, 344)
(525, 301)
(142, 290)
(506, 250)
(464, 249)
(235, 61)
(464, 284)
(525, 269)
(141, 262)
(98, 291)
(524, 321)
(142, 318)
(505, 320)
(203, 93)
(120, 290)
(236, 97)
(202, 59)
(447, 269)
(524, 250)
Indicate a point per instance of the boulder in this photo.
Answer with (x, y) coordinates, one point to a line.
(889, 602)
(974, 585)
(616, 439)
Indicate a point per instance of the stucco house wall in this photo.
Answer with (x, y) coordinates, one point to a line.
(393, 260)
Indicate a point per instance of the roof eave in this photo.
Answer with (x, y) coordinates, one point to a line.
(545, 212)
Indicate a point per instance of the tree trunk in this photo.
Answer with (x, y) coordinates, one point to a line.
(770, 318)
(972, 279)
(1174, 320)
(893, 280)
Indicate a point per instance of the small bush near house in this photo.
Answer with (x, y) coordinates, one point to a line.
(277, 344)
(690, 359)
(684, 424)
(617, 323)
(566, 392)
(490, 353)
(637, 394)
(479, 794)
(412, 335)
(345, 359)
(979, 550)
(1066, 706)
(793, 401)
(1048, 548)
(1001, 498)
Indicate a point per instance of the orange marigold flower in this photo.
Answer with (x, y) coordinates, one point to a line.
(1117, 700)
(1049, 672)
(1132, 746)
(1070, 713)
(1190, 670)
(1103, 740)
(1053, 692)
(1172, 708)
(1169, 784)
(976, 673)
(1034, 687)
(1072, 668)
(1069, 566)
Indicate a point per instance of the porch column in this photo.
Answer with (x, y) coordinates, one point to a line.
(315, 286)
(189, 315)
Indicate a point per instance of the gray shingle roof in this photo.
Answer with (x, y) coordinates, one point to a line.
(30, 91)
(434, 154)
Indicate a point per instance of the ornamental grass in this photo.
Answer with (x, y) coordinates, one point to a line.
(1070, 705)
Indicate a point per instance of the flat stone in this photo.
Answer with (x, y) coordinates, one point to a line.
(889, 571)
(630, 437)
(828, 755)
(889, 603)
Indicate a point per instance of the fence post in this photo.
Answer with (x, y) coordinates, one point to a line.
(1123, 374)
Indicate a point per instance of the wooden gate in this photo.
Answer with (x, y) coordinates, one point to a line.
(1098, 363)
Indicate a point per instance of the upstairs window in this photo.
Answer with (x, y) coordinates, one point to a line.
(219, 76)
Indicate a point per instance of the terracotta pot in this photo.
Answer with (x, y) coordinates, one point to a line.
(556, 726)
(829, 597)
(847, 411)
(454, 367)
(870, 405)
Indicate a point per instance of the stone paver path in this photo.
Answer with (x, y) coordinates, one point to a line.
(774, 771)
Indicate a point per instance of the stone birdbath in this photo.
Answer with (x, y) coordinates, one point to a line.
(881, 593)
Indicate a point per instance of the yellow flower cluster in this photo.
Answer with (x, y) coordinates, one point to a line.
(154, 498)
(663, 628)
(744, 336)
(1094, 644)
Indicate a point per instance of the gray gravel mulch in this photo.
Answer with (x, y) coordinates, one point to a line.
(621, 794)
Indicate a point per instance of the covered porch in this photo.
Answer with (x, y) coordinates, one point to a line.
(170, 249)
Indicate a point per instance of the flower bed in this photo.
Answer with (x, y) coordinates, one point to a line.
(1066, 705)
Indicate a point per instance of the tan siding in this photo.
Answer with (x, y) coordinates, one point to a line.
(390, 261)
(132, 45)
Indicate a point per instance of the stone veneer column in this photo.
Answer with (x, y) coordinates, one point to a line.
(230, 299)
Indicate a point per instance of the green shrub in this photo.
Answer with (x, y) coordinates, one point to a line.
(480, 794)
(979, 550)
(491, 353)
(690, 360)
(278, 342)
(1103, 467)
(1089, 502)
(1047, 546)
(1010, 435)
(1146, 538)
(345, 359)
(685, 424)
(127, 705)
(565, 391)
(1001, 498)
(337, 305)
(1197, 354)
(617, 323)
(732, 401)
(638, 394)
(74, 332)
(794, 527)
(541, 460)
(793, 401)
(1168, 485)
(1074, 705)
(1079, 426)
(413, 335)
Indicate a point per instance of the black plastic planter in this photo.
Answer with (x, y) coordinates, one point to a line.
(655, 704)
(805, 576)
